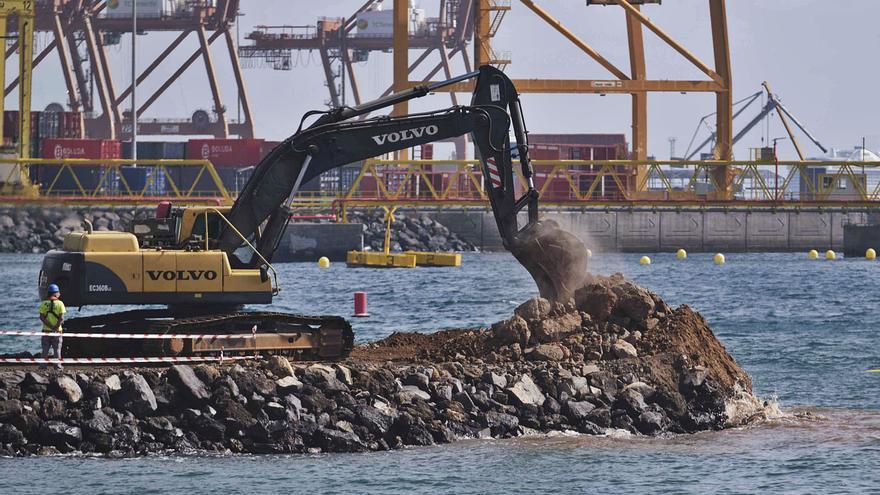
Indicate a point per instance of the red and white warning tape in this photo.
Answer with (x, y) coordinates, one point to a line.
(188, 359)
(128, 335)
(494, 175)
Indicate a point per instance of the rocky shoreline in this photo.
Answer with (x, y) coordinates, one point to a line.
(40, 229)
(617, 357)
(409, 232)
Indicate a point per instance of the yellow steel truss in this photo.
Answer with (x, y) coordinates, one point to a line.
(111, 170)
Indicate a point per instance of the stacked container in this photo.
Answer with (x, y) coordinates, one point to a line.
(64, 181)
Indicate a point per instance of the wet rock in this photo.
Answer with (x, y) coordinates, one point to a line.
(374, 420)
(191, 387)
(578, 411)
(525, 392)
(332, 440)
(11, 435)
(66, 387)
(412, 430)
(502, 424)
(650, 423)
(623, 350)
(135, 396)
(694, 377)
(547, 352)
(61, 435)
(632, 401)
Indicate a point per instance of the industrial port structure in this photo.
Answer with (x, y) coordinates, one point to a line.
(583, 176)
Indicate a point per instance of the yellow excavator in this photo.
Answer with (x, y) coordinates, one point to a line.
(202, 265)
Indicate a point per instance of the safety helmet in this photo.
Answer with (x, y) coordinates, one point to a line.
(52, 289)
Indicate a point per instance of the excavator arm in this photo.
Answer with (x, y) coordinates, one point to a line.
(335, 139)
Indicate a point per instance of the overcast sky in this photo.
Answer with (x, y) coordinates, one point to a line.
(819, 57)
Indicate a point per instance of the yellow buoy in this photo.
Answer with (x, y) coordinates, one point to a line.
(871, 254)
(813, 254)
(681, 254)
(718, 259)
(323, 262)
(589, 253)
(830, 255)
(644, 260)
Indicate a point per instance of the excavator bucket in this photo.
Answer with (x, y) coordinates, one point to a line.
(555, 258)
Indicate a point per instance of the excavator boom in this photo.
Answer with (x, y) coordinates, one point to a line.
(556, 259)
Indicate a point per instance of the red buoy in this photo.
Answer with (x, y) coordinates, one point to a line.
(360, 304)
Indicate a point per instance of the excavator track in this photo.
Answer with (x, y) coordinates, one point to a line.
(257, 333)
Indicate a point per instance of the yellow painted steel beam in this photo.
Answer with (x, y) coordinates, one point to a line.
(594, 86)
(630, 9)
(559, 27)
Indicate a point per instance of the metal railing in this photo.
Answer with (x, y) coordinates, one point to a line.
(110, 181)
(460, 183)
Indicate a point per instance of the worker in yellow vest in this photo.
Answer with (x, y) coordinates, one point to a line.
(52, 315)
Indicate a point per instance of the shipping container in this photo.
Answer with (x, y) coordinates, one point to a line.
(235, 153)
(63, 181)
(156, 150)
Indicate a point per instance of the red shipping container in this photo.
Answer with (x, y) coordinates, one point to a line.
(226, 152)
(10, 124)
(81, 148)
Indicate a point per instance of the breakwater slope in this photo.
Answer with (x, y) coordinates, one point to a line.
(617, 357)
(40, 229)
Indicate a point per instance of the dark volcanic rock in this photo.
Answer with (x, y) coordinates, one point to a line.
(191, 386)
(616, 357)
(135, 396)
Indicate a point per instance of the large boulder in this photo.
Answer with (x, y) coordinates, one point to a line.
(188, 384)
(331, 440)
(526, 392)
(634, 301)
(556, 329)
(623, 349)
(9, 410)
(547, 352)
(61, 435)
(136, 396)
(535, 309)
(577, 412)
(373, 419)
(279, 366)
(596, 300)
(511, 331)
(66, 388)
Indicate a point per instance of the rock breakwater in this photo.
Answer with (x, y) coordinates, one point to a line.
(40, 229)
(616, 357)
(409, 232)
